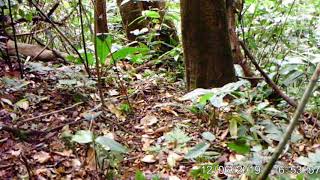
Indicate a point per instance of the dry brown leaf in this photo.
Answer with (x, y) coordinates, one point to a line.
(41, 157)
(114, 110)
(90, 159)
(76, 164)
(64, 153)
(169, 110)
(149, 120)
(173, 158)
(149, 159)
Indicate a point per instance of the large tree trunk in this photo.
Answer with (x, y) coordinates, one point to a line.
(132, 10)
(206, 44)
(101, 16)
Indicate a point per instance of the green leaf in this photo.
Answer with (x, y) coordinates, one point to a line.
(233, 127)
(205, 98)
(151, 14)
(111, 144)
(104, 42)
(140, 176)
(177, 135)
(208, 136)
(239, 146)
(126, 51)
(83, 137)
(197, 151)
(23, 104)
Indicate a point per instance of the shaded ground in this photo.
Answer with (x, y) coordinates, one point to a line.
(66, 94)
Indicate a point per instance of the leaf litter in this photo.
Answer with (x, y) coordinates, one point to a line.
(165, 137)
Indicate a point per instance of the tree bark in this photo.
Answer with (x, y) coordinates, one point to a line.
(132, 10)
(101, 16)
(235, 44)
(206, 44)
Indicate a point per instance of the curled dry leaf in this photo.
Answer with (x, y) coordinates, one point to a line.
(149, 159)
(149, 120)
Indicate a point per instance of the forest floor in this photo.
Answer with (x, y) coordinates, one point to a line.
(52, 102)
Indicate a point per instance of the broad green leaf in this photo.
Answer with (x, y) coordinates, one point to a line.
(239, 146)
(126, 51)
(90, 57)
(140, 176)
(111, 144)
(204, 99)
(208, 136)
(197, 151)
(104, 42)
(151, 14)
(83, 137)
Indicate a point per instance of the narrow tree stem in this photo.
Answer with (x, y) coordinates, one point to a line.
(292, 124)
(266, 77)
(15, 40)
(82, 33)
(63, 36)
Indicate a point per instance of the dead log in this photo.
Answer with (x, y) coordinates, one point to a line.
(33, 51)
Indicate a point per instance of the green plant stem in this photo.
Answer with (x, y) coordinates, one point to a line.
(293, 122)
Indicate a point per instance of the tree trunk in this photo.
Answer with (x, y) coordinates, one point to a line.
(206, 44)
(234, 41)
(101, 16)
(132, 10)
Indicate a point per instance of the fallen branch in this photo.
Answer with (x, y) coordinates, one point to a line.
(266, 77)
(43, 49)
(50, 113)
(24, 133)
(33, 50)
(292, 125)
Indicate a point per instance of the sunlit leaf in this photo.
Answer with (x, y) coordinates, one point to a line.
(23, 104)
(197, 151)
(208, 136)
(126, 51)
(111, 144)
(83, 137)
(151, 14)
